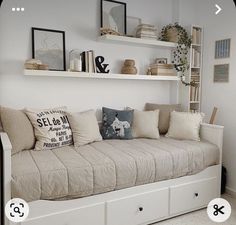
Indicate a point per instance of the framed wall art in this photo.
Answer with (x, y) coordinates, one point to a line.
(222, 49)
(49, 47)
(113, 16)
(221, 73)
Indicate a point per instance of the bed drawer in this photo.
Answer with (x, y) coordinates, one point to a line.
(138, 209)
(91, 215)
(194, 195)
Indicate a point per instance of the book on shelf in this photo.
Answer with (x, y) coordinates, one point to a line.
(196, 58)
(195, 72)
(146, 31)
(196, 36)
(88, 61)
(162, 69)
(194, 94)
(162, 65)
(195, 78)
(143, 25)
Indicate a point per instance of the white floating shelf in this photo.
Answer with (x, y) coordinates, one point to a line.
(196, 45)
(194, 102)
(47, 73)
(136, 41)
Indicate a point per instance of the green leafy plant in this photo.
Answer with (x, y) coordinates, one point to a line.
(175, 32)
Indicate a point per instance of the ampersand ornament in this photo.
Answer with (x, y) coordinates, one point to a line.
(101, 66)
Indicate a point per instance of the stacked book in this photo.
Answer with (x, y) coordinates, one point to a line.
(146, 31)
(195, 76)
(162, 69)
(88, 61)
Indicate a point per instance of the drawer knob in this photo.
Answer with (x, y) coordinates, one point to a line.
(196, 194)
(140, 209)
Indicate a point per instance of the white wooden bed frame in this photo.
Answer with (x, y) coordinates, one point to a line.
(143, 204)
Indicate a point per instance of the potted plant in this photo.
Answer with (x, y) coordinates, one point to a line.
(176, 33)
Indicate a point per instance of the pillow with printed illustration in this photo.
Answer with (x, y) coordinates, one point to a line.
(116, 124)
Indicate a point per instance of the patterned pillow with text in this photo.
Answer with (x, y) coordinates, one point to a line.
(51, 127)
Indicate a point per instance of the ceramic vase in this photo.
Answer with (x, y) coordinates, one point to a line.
(129, 67)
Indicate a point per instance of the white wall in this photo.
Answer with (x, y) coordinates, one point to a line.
(221, 95)
(81, 21)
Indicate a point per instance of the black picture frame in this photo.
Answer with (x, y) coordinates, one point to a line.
(124, 31)
(57, 49)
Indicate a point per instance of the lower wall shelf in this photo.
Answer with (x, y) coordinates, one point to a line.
(47, 73)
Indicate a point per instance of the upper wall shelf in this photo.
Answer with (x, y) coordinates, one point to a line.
(136, 41)
(47, 73)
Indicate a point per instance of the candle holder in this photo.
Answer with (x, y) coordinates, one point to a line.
(75, 63)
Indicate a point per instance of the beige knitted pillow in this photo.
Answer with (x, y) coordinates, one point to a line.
(19, 129)
(164, 115)
(185, 126)
(84, 127)
(145, 124)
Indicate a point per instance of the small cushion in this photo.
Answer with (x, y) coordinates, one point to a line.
(51, 127)
(19, 129)
(185, 126)
(84, 127)
(145, 124)
(116, 124)
(164, 114)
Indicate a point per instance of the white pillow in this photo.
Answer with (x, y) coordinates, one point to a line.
(84, 127)
(51, 127)
(185, 125)
(145, 124)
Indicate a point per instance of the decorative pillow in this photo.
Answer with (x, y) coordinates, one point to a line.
(185, 125)
(164, 114)
(84, 127)
(145, 124)
(51, 127)
(117, 124)
(19, 129)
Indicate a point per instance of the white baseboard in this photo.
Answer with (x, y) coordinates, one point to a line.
(231, 192)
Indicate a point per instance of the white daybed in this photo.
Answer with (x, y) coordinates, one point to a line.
(136, 205)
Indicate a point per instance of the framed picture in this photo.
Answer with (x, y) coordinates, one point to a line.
(222, 49)
(49, 47)
(221, 73)
(113, 16)
(161, 60)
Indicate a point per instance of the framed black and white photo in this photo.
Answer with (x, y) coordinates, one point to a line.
(49, 47)
(113, 16)
(161, 60)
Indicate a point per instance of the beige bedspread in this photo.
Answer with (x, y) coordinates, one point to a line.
(104, 166)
